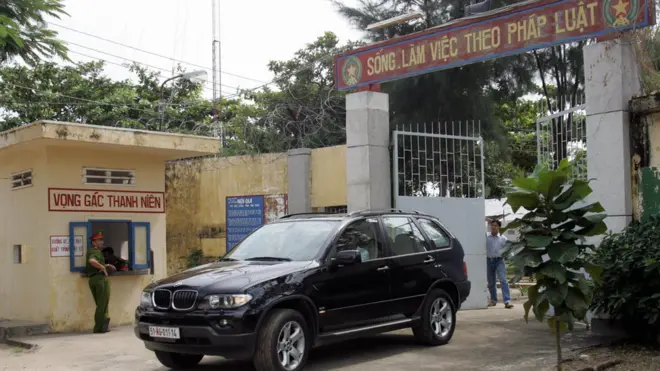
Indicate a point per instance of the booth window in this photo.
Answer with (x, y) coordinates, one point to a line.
(129, 242)
(21, 179)
(108, 176)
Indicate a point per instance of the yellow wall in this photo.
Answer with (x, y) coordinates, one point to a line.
(196, 191)
(196, 194)
(43, 289)
(71, 303)
(23, 287)
(328, 176)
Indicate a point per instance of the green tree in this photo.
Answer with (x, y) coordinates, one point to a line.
(24, 33)
(561, 72)
(303, 109)
(517, 156)
(556, 228)
(83, 94)
(647, 43)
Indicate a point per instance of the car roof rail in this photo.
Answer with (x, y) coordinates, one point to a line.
(319, 213)
(378, 211)
(425, 214)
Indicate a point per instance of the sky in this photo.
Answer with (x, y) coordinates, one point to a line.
(252, 33)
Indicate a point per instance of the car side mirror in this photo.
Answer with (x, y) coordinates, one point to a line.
(348, 257)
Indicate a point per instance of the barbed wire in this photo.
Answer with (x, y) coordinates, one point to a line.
(289, 75)
(151, 53)
(135, 62)
(305, 67)
(40, 92)
(241, 137)
(244, 137)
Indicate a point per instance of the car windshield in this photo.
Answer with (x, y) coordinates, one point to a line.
(299, 240)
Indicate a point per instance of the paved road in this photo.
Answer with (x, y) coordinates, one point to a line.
(485, 340)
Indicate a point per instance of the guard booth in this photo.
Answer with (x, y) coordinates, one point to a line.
(59, 184)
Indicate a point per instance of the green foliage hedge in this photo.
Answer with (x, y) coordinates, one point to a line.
(629, 286)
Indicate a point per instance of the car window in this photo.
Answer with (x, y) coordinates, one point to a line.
(405, 237)
(439, 238)
(362, 235)
(299, 240)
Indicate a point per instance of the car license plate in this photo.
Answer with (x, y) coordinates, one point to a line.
(164, 332)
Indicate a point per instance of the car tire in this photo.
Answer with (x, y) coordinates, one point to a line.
(438, 319)
(178, 361)
(278, 346)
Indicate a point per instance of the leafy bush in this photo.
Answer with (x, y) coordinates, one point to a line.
(553, 244)
(629, 286)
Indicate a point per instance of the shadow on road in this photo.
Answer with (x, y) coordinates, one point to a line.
(335, 356)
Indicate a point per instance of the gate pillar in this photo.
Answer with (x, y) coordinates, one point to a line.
(611, 79)
(368, 178)
(299, 169)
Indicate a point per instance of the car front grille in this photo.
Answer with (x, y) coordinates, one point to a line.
(184, 299)
(162, 299)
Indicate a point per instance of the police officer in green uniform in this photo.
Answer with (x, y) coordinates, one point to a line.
(98, 283)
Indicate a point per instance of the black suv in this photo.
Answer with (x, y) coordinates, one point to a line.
(306, 280)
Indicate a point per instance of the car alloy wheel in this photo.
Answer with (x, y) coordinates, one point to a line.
(441, 317)
(291, 345)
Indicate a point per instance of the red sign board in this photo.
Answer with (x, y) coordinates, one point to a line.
(105, 201)
(511, 31)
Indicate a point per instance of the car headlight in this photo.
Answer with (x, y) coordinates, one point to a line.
(224, 301)
(145, 300)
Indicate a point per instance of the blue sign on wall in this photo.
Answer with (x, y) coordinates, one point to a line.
(244, 215)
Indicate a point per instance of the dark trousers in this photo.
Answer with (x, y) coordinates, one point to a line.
(100, 288)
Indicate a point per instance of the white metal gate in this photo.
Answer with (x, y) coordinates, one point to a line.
(562, 133)
(438, 169)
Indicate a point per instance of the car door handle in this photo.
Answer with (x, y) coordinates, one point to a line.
(429, 260)
(383, 269)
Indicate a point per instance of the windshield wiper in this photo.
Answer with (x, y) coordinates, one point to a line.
(228, 260)
(269, 258)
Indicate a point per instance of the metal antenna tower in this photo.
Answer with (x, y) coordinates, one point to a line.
(217, 70)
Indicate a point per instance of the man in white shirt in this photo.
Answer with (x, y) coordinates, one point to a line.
(496, 269)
